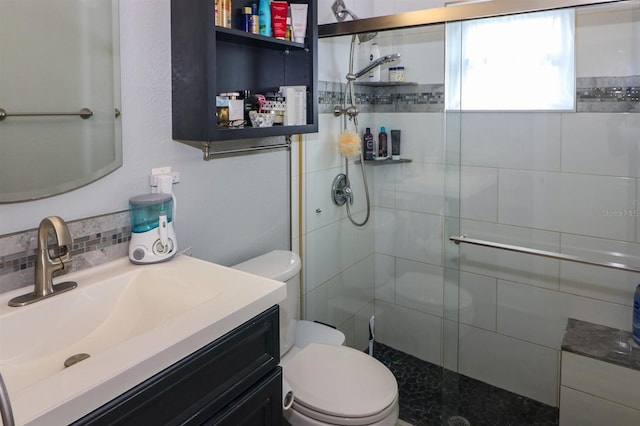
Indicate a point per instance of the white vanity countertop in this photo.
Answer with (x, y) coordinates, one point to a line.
(68, 394)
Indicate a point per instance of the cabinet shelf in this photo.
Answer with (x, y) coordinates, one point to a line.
(385, 83)
(207, 60)
(387, 161)
(234, 35)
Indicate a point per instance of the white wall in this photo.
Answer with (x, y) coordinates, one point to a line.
(228, 209)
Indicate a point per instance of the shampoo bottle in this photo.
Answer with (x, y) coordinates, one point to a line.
(383, 146)
(368, 144)
(374, 74)
(636, 316)
(264, 12)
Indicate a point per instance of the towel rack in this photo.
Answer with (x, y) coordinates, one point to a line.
(84, 113)
(209, 154)
(543, 253)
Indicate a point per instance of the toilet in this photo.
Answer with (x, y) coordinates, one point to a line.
(332, 384)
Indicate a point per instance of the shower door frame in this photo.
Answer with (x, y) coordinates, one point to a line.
(451, 265)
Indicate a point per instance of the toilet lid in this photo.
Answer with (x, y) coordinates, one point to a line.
(340, 381)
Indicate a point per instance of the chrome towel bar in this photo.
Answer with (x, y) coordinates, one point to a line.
(84, 113)
(209, 153)
(543, 253)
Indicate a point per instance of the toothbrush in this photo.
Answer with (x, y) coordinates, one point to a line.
(371, 333)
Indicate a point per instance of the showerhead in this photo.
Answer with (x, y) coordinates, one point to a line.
(341, 12)
(382, 60)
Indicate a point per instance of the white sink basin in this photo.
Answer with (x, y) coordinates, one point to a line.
(133, 321)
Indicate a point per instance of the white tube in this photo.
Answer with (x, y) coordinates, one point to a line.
(299, 21)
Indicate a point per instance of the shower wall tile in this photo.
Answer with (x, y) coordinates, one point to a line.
(331, 248)
(419, 286)
(409, 331)
(604, 144)
(317, 198)
(522, 268)
(350, 291)
(606, 42)
(566, 203)
(420, 187)
(597, 282)
(320, 149)
(514, 140)
(511, 364)
(413, 236)
(315, 305)
(477, 300)
(385, 272)
(422, 135)
(540, 316)
(383, 189)
(479, 193)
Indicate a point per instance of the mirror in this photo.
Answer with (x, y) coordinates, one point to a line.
(60, 126)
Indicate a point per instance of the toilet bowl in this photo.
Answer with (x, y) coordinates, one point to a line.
(332, 384)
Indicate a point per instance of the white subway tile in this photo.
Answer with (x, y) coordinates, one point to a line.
(598, 282)
(512, 364)
(385, 277)
(409, 331)
(578, 204)
(479, 193)
(601, 143)
(511, 140)
(477, 300)
(419, 286)
(420, 188)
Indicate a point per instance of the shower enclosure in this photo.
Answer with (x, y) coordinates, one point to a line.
(546, 161)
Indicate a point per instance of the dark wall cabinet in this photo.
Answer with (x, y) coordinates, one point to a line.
(234, 380)
(207, 60)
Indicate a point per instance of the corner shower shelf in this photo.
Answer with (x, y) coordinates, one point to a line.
(387, 161)
(386, 83)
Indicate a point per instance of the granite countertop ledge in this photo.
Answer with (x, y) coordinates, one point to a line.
(602, 343)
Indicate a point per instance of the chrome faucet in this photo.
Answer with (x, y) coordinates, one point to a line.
(49, 260)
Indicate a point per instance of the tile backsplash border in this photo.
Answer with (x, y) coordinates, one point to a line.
(96, 240)
(593, 94)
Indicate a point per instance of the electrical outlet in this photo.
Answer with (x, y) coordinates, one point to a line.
(161, 170)
(153, 178)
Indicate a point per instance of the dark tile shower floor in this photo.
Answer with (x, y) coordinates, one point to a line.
(421, 396)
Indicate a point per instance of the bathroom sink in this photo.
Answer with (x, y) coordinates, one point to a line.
(132, 321)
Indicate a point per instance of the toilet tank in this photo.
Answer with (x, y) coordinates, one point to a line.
(280, 265)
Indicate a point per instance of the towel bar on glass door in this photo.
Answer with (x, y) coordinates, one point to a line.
(543, 253)
(84, 113)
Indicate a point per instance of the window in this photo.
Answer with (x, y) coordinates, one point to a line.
(520, 62)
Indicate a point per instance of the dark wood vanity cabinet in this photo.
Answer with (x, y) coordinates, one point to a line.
(234, 380)
(207, 60)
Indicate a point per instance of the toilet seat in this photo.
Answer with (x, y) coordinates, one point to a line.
(340, 385)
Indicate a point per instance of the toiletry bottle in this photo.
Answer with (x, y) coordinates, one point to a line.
(246, 19)
(289, 35)
(368, 144)
(383, 148)
(255, 21)
(264, 11)
(636, 316)
(395, 144)
(374, 74)
(218, 13)
(226, 13)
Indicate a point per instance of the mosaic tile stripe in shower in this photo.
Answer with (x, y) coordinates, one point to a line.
(593, 94)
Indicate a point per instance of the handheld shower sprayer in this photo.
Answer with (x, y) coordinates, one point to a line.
(374, 64)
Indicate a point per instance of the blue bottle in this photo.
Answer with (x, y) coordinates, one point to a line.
(264, 12)
(636, 316)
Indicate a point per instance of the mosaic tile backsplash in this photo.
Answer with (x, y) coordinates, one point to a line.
(593, 94)
(96, 240)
